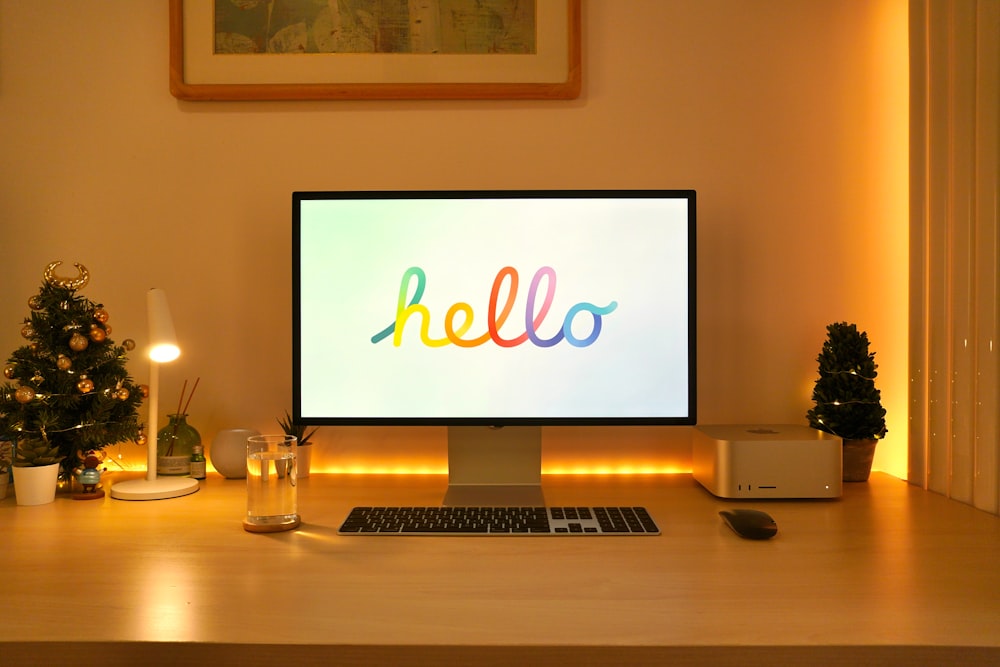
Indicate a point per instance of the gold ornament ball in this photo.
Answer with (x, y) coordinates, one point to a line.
(121, 394)
(8, 371)
(85, 386)
(97, 334)
(128, 344)
(140, 439)
(144, 390)
(24, 394)
(27, 331)
(78, 343)
(101, 315)
(35, 303)
(63, 362)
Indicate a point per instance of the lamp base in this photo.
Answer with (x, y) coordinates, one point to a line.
(160, 488)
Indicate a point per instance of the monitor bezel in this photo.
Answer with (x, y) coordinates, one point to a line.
(685, 420)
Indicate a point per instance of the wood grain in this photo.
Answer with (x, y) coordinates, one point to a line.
(889, 573)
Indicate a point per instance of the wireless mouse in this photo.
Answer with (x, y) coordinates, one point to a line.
(751, 524)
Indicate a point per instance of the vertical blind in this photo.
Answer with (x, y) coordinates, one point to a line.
(955, 249)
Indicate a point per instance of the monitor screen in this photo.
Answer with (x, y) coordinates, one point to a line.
(498, 308)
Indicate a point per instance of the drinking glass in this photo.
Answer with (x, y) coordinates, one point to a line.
(272, 503)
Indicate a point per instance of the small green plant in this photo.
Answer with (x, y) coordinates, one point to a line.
(33, 452)
(847, 404)
(298, 430)
(6, 452)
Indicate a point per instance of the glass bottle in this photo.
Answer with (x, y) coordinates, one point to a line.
(174, 446)
(198, 463)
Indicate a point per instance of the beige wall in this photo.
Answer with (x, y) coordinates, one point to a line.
(788, 117)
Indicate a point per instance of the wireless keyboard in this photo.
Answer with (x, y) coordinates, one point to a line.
(499, 521)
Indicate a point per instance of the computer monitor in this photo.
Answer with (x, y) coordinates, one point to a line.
(494, 313)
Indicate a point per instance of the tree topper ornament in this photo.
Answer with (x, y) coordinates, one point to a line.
(83, 277)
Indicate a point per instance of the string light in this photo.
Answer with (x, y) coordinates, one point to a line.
(852, 402)
(850, 372)
(20, 428)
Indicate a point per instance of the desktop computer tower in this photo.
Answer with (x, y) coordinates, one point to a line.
(767, 461)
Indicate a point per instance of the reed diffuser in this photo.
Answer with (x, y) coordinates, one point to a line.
(176, 441)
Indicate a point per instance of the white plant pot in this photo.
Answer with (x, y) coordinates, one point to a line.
(35, 485)
(228, 452)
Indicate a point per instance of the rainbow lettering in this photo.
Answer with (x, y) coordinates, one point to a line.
(495, 319)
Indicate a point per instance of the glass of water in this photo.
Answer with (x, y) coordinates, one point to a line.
(272, 502)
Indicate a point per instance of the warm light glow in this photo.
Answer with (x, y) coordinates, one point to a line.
(561, 470)
(164, 606)
(164, 353)
(162, 339)
(890, 167)
(381, 470)
(625, 469)
(561, 466)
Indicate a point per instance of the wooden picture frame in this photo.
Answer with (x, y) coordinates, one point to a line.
(553, 71)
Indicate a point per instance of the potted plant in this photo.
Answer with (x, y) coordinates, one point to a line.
(299, 431)
(847, 403)
(6, 454)
(69, 386)
(36, 469)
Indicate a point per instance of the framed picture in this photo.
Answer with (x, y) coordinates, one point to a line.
(374, 49)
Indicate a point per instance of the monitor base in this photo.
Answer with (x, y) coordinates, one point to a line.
(494, 466)
(490, 495)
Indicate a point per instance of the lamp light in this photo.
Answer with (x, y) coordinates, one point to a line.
(163, 348)
(162, 337)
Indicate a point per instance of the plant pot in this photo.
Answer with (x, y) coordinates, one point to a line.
(304, 460)
(858, 457)
(35, 485)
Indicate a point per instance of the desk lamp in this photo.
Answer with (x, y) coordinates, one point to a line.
(162, 349)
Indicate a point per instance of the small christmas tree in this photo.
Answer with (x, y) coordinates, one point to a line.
(72, 391)
(847, 403)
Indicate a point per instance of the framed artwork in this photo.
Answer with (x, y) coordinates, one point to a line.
(374, 49)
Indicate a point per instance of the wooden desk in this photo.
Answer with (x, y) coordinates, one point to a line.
(887, 574)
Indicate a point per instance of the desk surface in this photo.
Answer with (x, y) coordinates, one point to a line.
(888, 572)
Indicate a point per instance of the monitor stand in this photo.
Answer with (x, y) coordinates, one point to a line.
(494, 466)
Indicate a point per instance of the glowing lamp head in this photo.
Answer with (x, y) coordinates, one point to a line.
(162, 339)
(163, 353)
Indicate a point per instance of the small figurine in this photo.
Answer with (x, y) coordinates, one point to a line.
(90, 476)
